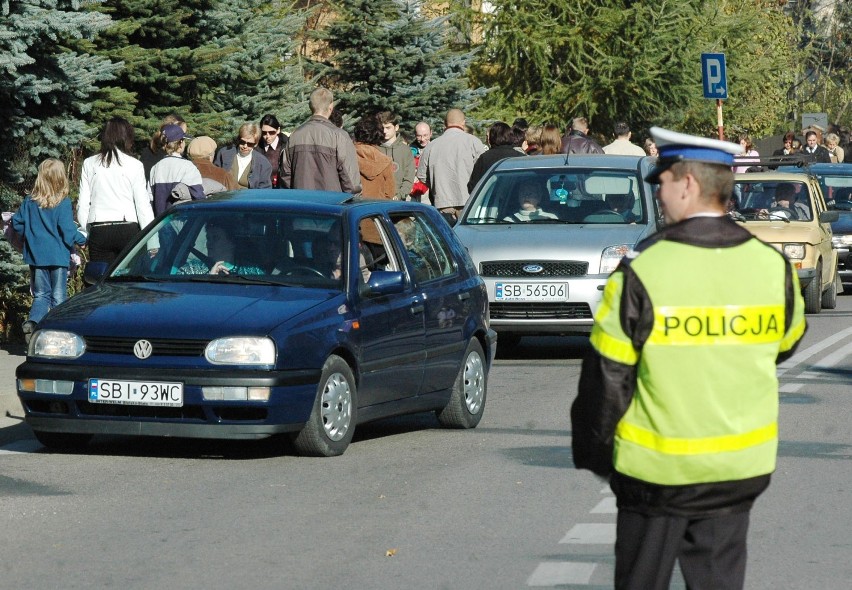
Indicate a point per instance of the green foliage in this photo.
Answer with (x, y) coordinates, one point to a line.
(250, 67)
(828, 88)
(46, 84)
(216, 63)
(386, 55)
(637, 61)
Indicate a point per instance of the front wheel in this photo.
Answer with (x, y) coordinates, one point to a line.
(467, 402)
(62, 441)
(329, 430)
(813, 293)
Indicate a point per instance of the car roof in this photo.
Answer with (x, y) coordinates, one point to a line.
(821, 169)
(771, 176)
(297, 200)
(576, 161)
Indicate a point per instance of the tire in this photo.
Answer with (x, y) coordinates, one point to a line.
(829, 296)
(508, 340)
(62, 440)
(329, 430)
(467, 402)
(813, 293)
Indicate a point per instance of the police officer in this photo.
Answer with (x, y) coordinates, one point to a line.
(678, 398)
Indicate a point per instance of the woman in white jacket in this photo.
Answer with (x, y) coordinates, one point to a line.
(113, 203)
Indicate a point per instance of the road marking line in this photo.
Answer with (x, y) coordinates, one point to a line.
(803, 355)
(21, 447)
(606, 506)
(834, 358)
(590, 533)
(790, 387)
(560, 573)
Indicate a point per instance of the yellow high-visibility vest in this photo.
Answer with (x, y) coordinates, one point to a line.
(705, 407)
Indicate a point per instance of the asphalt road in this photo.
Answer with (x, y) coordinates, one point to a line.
(409, 505)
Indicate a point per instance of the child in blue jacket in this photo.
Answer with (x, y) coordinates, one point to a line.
(47, 223)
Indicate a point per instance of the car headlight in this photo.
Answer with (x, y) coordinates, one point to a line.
(794, 251)
(55, 344)
(241, 350)
(842, 241)
(612, 256)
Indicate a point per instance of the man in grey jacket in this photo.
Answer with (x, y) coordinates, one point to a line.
(321, 156)
(396, 149)
(447, 162)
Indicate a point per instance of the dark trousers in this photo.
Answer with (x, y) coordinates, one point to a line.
(106, 240)
(711, 551)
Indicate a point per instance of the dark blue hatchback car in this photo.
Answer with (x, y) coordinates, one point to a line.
(266, 312)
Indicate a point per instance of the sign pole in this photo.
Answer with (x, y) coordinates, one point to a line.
(719, 122)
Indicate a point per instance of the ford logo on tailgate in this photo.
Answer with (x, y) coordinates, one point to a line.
(533, 268)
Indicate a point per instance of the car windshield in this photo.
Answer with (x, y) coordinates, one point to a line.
(837, 189)
(213, 245)
(764, 200)
(558, 196)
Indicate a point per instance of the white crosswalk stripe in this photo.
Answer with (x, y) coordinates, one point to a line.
(561, 573)
(590, 533)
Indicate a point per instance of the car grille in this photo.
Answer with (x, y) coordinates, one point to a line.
(159, 346)
(540, 311)
(514, 268)
(188, 412)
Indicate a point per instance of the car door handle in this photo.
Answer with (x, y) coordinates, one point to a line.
(418, 308)
(464, 296)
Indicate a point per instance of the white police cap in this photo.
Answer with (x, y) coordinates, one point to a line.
(676, 147)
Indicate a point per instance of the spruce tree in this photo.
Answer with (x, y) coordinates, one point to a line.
(217, 63)
(46, 87)
(249, 67)
(387, 55)
(153, 41)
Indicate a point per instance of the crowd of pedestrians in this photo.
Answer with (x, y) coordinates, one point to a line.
(119, 193)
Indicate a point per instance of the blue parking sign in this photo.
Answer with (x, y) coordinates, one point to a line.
(714, 75)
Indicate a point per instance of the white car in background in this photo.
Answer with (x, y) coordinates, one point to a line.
(546, 275)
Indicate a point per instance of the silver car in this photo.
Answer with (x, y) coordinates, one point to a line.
(545, 232)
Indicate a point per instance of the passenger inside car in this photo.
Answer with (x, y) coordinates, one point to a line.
(529, 196)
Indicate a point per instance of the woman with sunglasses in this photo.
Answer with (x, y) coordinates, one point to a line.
(273, 145)
(247, 166)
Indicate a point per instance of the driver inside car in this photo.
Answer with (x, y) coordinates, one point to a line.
(220, 254)
(786, 203)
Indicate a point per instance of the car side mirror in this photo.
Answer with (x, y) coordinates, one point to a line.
(94, 272)
(384, 282)
(829, 216)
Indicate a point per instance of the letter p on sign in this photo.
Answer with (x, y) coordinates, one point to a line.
(714, 75)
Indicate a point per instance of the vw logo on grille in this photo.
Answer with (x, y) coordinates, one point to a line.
(142, 349)
(533, 268)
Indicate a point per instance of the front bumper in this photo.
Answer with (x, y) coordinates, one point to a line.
(291, 399)
(806, 275)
